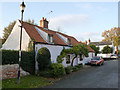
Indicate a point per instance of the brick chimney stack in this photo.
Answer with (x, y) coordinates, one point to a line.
(44, 23)
(86, 42)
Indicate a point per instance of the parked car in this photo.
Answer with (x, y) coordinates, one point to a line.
(97, 60)
(113, 56)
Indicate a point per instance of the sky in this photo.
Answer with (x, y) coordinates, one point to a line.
(83, 20)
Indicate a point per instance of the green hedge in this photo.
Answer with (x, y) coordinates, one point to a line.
(12, 57)
(44, 58)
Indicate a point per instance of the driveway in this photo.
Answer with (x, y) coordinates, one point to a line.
(105, 76)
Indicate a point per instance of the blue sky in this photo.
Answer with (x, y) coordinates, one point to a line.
(83, 20)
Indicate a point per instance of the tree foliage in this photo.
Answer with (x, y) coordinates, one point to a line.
(112, 35)
(7, 30)
(31, 21)
(96, 49)
(107, 50)
(76, 50)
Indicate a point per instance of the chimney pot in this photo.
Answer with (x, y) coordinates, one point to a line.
(42, 18)
(44, 23)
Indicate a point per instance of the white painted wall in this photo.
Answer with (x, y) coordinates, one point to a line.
(54, 51)
(13, 40)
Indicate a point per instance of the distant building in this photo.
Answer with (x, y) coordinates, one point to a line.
(102, 44)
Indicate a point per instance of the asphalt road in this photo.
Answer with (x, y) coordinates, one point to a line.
(105, 76)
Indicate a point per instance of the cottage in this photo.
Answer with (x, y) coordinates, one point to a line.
(43, 37)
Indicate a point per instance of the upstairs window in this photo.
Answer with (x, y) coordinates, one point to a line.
(50, 38)
(69, 41)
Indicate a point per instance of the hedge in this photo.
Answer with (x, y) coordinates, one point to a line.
(44, 58)
(12, 57)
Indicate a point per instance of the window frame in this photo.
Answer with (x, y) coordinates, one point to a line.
(50, 36)
(68, 59)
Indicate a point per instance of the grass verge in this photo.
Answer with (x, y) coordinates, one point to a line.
(26, 82)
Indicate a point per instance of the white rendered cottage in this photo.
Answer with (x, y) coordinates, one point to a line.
(43, 37)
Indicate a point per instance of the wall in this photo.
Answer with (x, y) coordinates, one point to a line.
(13, 40)
(56, 50)
(11, 71)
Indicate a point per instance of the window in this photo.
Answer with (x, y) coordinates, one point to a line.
(50, 38)
(68, 59)
(69, 41)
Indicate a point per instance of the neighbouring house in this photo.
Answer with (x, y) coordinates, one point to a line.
(102, 44)
(43, 37)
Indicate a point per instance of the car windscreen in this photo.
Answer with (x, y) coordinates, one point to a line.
(96, 58)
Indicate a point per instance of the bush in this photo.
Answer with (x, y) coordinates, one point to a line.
(45, 73)
(43, 58)
(68, 70)
(12, 57)
(79, 66)
(75, 69)
(57, 70)
(107, 50)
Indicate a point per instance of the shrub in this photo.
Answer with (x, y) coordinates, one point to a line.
(12, 57)
(75, 69)
(107, 49)
(45, 73)
(57, 70)
(68, 70)
(79, 66)
(43, 58)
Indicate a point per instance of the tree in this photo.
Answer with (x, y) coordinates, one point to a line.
(96, 49)
(7, 30)
(31, 21)
(77, 50)
(107, 50)
(112, 35)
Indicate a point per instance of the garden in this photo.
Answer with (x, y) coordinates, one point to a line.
(48, 72)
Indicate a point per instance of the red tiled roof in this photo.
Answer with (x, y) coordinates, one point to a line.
(32, 32)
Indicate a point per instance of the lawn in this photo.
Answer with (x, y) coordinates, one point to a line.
(26, 82)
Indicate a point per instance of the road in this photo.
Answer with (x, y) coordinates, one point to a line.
(105, 76)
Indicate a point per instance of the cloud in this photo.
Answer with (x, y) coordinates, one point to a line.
(94, 36)
(69, 20)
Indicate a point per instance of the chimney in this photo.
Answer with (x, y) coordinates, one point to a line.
(44, 23)
(86, 42)
(89, 41)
